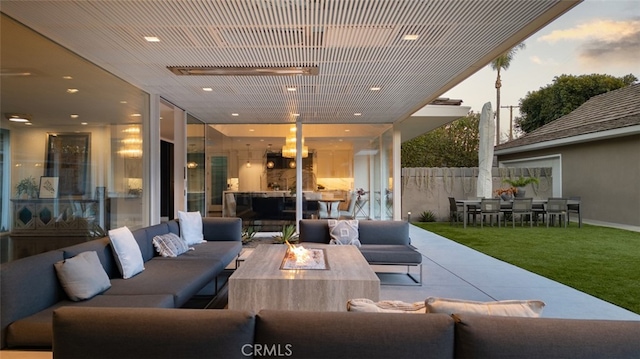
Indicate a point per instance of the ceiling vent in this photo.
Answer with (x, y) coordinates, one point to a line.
(243, 71)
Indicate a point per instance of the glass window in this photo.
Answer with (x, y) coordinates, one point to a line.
(71, 145)
(340, 164)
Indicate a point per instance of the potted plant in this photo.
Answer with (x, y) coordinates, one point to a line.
(520, 183)
(288, 235)
(247, 234)
(27, 188)
(506, 194)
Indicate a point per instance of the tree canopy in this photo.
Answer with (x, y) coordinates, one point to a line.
(452, 145)
(566, 94)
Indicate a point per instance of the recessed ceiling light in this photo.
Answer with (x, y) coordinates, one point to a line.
(291, 89)
(347, 130)
(296, 114)
(123, 102)
(152, 39)
(235, 114)
(74, 115)
(375, 88)
(136, 115)
(208, 89)
(410, 37)
(357, 114)
(67, 77)
(28, 124)
(6, 72)
(251, 130)
(72, 90)
(16, 117)
(83, 123)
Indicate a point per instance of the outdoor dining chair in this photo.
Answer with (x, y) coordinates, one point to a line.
(328, 209)
(522, 207)
(557, 207)
(574, 208)
(489, 207)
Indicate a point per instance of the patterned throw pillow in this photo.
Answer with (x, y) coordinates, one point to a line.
(509, 308)
(344, 232)
(170, 245)
(385, 306)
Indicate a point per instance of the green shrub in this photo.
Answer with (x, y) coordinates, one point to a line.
(427, 216)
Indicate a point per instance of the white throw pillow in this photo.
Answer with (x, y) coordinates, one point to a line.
(82, 276)
(344, 232)
(508, 308)
(384, 306)
(170, 245)
(191, 227)
(127, 252)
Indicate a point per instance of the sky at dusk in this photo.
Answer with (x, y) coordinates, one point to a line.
(596, 36)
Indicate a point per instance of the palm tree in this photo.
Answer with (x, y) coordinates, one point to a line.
(502, 62)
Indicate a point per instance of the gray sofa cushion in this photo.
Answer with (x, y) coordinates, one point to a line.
(199, 333)
(222, 229)
(36, 330)
(105, 253)
(515, 337)
(314, 230)
(144, 241)
(218, 254)
(43, 290)
(384, 232)
(390, 254)
(356, 335)
(182, 279)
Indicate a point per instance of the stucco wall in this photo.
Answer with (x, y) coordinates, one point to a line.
(429, 189)
(605, 174)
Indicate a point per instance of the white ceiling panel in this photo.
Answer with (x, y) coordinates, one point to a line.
(355, 44)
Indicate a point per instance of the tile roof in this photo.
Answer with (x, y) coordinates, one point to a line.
(611, 110)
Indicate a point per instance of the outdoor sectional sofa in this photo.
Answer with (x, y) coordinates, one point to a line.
(31, 290)
(218, 333)
(381, 242)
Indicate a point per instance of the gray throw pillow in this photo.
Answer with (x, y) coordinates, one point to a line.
(82, 276)
(170, 245)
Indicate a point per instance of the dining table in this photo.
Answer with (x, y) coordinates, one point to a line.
(504, 205)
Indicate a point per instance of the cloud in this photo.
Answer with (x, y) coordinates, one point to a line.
(602, 41)
(544, 62)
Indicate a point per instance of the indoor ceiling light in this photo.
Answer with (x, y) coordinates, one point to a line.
(152, 39)
(17, 117)
(289, 149)
(72, 90)
(375, 88)
(242, 71)
(207, 89)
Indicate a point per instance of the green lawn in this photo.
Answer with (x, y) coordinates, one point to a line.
(601, 261)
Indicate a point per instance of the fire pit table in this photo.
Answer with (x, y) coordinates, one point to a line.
(262, 282)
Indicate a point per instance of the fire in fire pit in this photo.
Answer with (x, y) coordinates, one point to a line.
(303, 258)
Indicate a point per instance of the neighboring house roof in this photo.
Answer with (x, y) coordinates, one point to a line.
(616, 113)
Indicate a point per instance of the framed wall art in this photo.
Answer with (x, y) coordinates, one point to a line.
(67, 159)
(49, 187)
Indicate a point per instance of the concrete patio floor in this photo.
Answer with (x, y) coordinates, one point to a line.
(452, 270)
